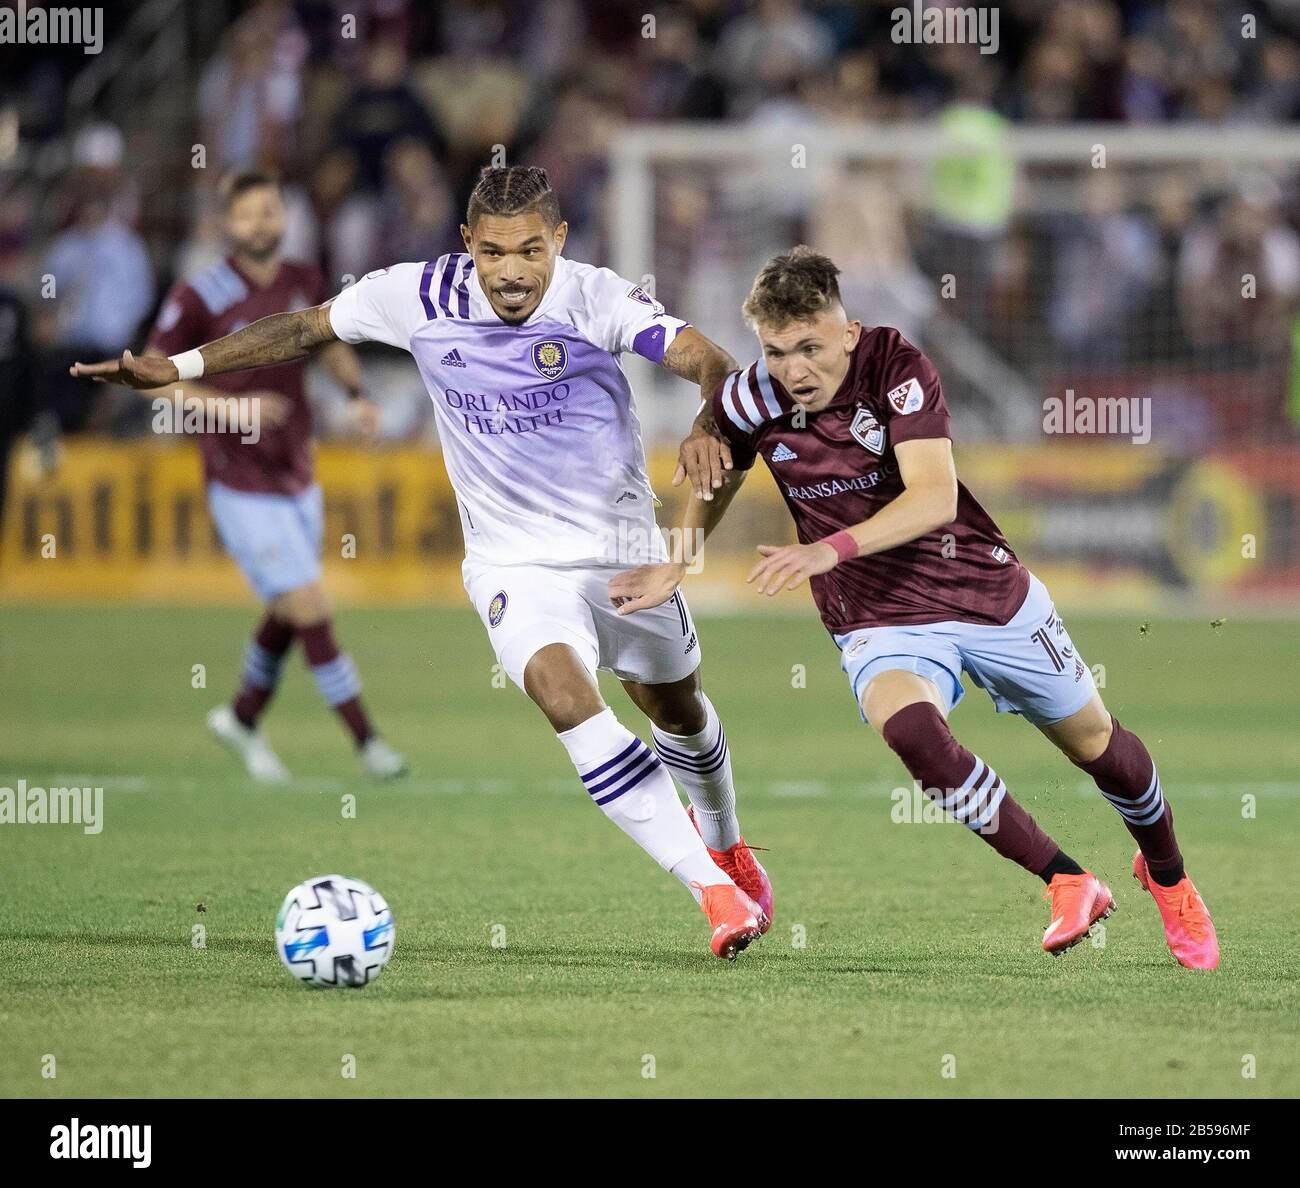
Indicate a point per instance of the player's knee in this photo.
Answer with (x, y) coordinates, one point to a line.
(567, 712)
(918, 735)
(684, 714)
(1089, 738)
(301, 607)
(562, 688)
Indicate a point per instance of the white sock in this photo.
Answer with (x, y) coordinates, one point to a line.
(702, 764)
(629, 784)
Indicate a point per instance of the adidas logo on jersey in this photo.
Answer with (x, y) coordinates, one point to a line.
(783, 453)
(452, 359)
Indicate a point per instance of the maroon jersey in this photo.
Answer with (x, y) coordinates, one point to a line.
(839, 469)
(217, 302)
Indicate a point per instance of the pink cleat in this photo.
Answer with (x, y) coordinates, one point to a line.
(1078, 902)
(733, 916)
(1188, 927)
(743, 869)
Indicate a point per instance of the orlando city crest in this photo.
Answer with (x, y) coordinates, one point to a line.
(497, 608)
(550, 358)
(868, 432)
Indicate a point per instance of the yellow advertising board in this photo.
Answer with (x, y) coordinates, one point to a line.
(1099, 523)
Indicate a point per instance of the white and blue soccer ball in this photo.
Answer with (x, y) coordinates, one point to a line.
(334, 931)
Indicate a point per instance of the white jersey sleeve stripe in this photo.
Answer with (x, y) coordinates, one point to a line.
(426, 280)
(732, 407)
(771, 405)
(752, 412)
(447, 275)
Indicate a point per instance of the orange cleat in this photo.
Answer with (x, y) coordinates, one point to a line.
(734, 916)
(1078, 902)
(1188, 927)
(743, 869)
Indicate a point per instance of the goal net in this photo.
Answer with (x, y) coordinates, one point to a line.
(1154, 263)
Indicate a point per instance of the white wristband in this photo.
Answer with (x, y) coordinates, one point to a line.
(189, 364)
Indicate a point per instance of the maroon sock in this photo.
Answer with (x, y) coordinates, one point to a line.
(966, 786)
(263, 659)
(336, 678)
(1127, 777)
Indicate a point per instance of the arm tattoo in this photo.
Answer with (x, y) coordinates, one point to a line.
(705, 423)
(280, 338)
(693, 357)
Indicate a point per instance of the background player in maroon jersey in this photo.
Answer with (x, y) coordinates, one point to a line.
(916, 584)
(261, 490)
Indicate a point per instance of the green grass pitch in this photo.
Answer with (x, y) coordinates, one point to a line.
(919, 945)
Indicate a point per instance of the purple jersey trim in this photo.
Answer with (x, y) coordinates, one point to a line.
(426, 279)
(444, 289)
(462, 289)
(653, 341)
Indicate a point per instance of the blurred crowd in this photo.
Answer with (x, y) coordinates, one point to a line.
(379, 132)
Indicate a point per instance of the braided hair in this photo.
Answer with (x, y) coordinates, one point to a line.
(512, 190)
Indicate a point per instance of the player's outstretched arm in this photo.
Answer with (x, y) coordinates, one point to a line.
(704, 455)
(928, 501)
(650, 585)
(280, 338)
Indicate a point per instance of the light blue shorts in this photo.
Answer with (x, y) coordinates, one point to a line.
(274, 539)
(1029, 666)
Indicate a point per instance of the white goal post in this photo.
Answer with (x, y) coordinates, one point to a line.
(1008, 296)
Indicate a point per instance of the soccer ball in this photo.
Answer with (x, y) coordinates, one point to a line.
(334, 931)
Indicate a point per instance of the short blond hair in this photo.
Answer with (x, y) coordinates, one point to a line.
(793, 287)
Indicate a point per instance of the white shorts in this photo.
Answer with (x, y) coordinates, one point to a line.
(1029, 666)
(274, 539)
(526, 607)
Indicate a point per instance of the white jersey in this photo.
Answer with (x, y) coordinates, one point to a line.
(537, 421)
